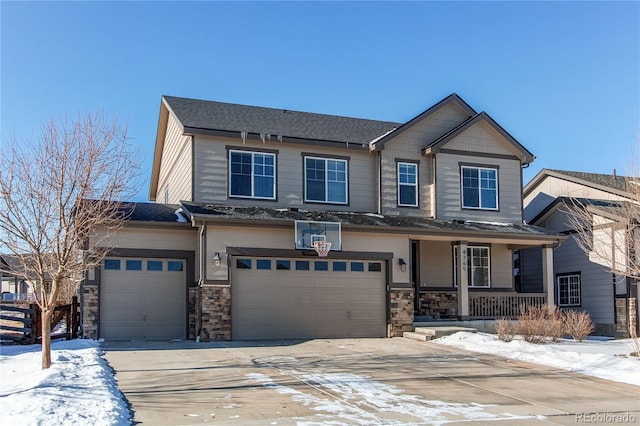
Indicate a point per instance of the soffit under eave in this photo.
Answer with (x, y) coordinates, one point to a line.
(482, 118)
(161, 134)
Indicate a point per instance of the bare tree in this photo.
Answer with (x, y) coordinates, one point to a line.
(608, 231)
(57, 190)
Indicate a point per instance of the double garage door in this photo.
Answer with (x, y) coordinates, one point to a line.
(143, 299)
(276, 298)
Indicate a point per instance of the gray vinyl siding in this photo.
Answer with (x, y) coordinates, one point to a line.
(596, 283)
(408, 146)
(448, 190)
(436, 265)
(175, 169)
(211, 174)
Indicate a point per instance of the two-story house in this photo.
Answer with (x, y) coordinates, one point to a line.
(423, 218)
(584, 281)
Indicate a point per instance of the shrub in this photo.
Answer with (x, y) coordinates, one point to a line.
(506, 329)
(577, 324)
(555, 324)
(532, 323)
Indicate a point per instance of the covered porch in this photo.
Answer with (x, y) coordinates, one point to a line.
(477, 278)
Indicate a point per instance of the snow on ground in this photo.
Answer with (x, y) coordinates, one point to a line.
(607, 359)
(79, 388)
(359, 400)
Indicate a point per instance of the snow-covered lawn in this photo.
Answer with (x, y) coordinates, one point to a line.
(607, 359)
(78, 389)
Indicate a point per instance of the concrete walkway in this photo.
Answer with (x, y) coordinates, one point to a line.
(354, 382)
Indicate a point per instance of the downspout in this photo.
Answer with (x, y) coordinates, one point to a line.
(379, 181)
(201, 268)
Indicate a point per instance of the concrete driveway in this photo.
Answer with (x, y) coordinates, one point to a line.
(354, 382)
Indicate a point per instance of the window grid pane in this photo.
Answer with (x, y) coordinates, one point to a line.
(407, 184)
(252, 174)
(326, 180)
(479, 188)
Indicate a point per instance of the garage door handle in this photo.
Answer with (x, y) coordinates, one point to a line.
(144, 317)
(348, 315)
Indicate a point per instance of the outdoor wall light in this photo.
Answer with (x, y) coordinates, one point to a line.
(216, 260)
(403, 264)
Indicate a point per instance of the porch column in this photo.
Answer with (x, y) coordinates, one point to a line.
(463, 280)
(547, 275)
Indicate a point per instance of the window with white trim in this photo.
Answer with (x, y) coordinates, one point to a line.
(479, 187)
(478, 266)
(407, 184)
(325, 180)
(252, 174)
(568, 290)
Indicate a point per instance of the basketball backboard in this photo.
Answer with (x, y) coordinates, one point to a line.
(308, 232)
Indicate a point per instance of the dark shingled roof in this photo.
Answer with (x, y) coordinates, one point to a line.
(151, 212)
(610, 206)
(261, 214)
(617, 182)
(209, 115)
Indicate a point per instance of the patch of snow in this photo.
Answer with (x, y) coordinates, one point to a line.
(179, 214)
(360, 400)
(79, 388)
(599, 358)
(374, 215)
(471, 222)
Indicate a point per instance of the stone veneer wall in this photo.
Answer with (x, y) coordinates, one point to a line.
(626, 317)
(439, 305)
(401, 310)
(90, 313)
(215, 313)
(193, 304)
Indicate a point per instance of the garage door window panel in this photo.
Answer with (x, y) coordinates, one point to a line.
(263, 264)
(175, 265)
(134, 265)
(339, 266)
(357, 266)
(112, 264)
(243, 263)
(302, 265)
(321, 265)
(283, 265)
(154, 265)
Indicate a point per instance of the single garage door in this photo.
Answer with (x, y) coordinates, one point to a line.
(300, 298)
(143, 299)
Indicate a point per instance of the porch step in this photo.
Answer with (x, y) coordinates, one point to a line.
(437, 332)
(422, 335)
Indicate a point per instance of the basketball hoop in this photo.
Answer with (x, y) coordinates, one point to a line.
(322, 248)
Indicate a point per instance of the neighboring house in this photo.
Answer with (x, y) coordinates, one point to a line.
(12, 287)
(583, 281)
(423, 218)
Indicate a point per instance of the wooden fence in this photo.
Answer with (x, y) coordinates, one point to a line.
(30, 321)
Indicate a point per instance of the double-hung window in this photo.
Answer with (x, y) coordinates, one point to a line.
(407, 184)
(252, 174)
(479, 188)
(325, 180)
(478, 266)
(568, 290)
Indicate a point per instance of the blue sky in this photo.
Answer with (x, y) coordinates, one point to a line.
(562, 77)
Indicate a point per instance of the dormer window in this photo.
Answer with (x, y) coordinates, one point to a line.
(407, 184)
(479, 187)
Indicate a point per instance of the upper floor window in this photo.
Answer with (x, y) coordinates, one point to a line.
(325, 180)
(479, 188)
(252, 174)
(478, 266)
(407, 184)
(568, 290)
